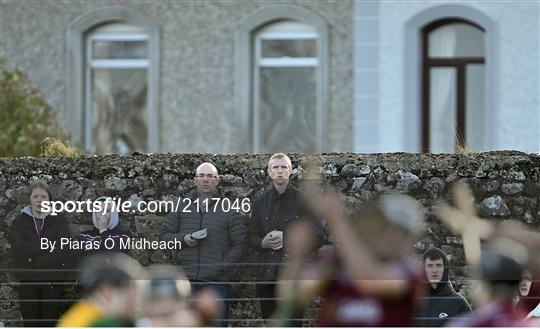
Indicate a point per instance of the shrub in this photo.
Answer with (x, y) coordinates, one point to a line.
(53, 147)
(26, 118)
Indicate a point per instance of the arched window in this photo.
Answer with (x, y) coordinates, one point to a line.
(113, 89)
(453, 85)
(116, 89)
(285, 85)
(281, 79)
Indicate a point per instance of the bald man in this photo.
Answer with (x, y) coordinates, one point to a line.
(206, 258)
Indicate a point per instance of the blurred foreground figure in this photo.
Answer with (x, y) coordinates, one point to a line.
(366, 280)
(497, 268)
(442, 303)
(110, 291)
(165, 299)
(499, 276)
(208, 306)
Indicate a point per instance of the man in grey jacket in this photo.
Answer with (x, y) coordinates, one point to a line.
(213, 236)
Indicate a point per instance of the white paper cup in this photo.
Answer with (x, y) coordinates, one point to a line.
(279, 234)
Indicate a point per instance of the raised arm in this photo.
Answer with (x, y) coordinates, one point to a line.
(370, 276)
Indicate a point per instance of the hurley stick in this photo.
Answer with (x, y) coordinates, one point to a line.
(462, 220)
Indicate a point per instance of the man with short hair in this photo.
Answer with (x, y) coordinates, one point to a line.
(206, 256)
(442, 302)
(273, 213)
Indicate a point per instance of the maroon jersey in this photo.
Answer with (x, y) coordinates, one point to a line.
(498, 314)
(346, 306)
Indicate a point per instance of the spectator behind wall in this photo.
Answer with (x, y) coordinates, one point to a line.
(528, 294)
(213, 239)
(39, 270)
(105, 227)
(442, 302)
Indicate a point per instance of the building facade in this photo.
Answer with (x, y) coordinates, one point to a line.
(294, 76)
(447, 73)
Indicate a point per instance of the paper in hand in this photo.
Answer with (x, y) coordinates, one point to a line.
(200, 234)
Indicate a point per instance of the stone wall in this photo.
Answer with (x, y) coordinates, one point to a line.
(505, 185)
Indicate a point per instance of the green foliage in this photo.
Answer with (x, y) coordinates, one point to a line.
(26, 118)
(53, 147)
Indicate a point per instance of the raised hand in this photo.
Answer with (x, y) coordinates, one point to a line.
(463, 221)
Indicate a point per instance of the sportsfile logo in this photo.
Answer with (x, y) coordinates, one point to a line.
(185, 205)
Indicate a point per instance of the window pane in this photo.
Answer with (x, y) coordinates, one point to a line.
(119, 49)
(288, 115)
(474, 106)
(119, 110)
(442, 115)
(288, 48)
(456, 40)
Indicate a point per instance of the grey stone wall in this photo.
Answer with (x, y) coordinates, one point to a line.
(197, 63)
(505, 185)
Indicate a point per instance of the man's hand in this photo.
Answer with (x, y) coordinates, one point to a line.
(270, 241)
(191, 242)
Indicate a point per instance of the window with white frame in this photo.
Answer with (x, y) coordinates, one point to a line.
(286, 114)
(116, 111)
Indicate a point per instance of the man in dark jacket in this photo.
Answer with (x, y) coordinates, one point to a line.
(273, 213)
(206, 256)
(443, 303)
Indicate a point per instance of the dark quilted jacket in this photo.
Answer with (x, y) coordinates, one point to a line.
(213, 256)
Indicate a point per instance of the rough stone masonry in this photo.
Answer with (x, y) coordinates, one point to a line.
(506, 185)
